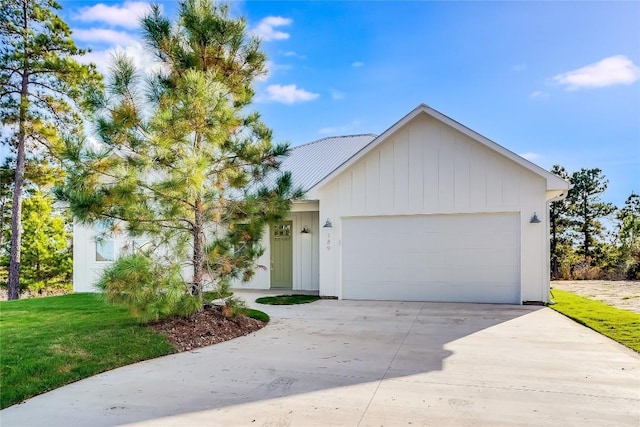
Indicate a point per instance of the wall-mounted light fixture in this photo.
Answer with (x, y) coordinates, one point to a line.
(305, 230)
(534, 219)
(328, 224)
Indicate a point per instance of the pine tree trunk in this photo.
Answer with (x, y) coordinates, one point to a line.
(16, 210)
(2, 218)
(198, 249)
(586, 230)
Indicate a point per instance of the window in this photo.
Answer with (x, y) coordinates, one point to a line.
(281, 231)
(105, 247)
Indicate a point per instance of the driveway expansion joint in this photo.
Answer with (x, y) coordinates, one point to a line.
(373, 395)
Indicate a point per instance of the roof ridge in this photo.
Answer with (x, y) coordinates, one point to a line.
(334, 137)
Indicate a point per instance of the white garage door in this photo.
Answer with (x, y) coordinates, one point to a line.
(456, 258)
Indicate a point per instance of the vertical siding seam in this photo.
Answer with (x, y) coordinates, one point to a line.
(351, 190)
(393, 174)
(423, 163)
(408, 165)
(439, 160)
(454, 150)
(379, 171)
(367, 205)
(468, 148)
(502, 171)
(486, 183)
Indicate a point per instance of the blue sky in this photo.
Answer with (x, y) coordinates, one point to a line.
(557, 82)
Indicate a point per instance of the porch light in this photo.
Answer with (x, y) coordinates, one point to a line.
(534, 219)
(305, 230)
(327, 224)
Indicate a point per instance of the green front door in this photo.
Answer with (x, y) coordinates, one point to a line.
(281, 255)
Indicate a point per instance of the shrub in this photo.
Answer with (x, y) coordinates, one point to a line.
(149, 291)
(584, 271)
(234, 307)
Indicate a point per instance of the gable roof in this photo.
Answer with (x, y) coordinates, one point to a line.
(554, 183)
(312, 162)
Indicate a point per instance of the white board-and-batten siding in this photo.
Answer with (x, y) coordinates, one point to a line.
(87, 269)
(427, 167)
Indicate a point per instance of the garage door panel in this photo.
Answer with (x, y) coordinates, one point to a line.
(465, 258)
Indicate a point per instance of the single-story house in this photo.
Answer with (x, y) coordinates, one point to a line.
(427, 211)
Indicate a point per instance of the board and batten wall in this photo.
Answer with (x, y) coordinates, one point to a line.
(427, 167)
(87, 270)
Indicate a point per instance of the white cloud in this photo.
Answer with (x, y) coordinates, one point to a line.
(291, 53)
(336, 94)
(530, 156)
(266, 28)
(610, 71)
(128, 15)
(340, 130)
(271, 68)
(103, 36)
(142, 58)
(538, 94)
(357, 64)
(289, 94)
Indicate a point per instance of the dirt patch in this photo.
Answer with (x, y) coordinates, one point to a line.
(207, 327)
(620, 294)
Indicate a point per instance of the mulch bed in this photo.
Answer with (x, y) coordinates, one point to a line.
(207, 327)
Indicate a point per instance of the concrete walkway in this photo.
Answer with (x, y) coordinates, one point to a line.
(349, 363)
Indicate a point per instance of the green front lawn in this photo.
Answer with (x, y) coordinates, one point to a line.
(288, 299)
(48, 342)
(622, 326)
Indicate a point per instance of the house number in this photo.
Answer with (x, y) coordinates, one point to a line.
(328, 241)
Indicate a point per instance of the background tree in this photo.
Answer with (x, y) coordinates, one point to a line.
(192, 169)
(41, 84)
(587, 209)
(559, 222)
(582, 247)
(629, 236)
(7, 175)
(39, 178)
(46, 249)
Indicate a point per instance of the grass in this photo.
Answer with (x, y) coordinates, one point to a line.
(256, 314)
(288, 299)
(620, 325)
(49, 342)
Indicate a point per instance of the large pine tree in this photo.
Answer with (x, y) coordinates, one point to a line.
(586, 209)
(190, 168)
(41, 85)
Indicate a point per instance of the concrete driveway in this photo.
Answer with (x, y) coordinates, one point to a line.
(349, 363)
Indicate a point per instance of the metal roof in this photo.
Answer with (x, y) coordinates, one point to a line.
(310, 163)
